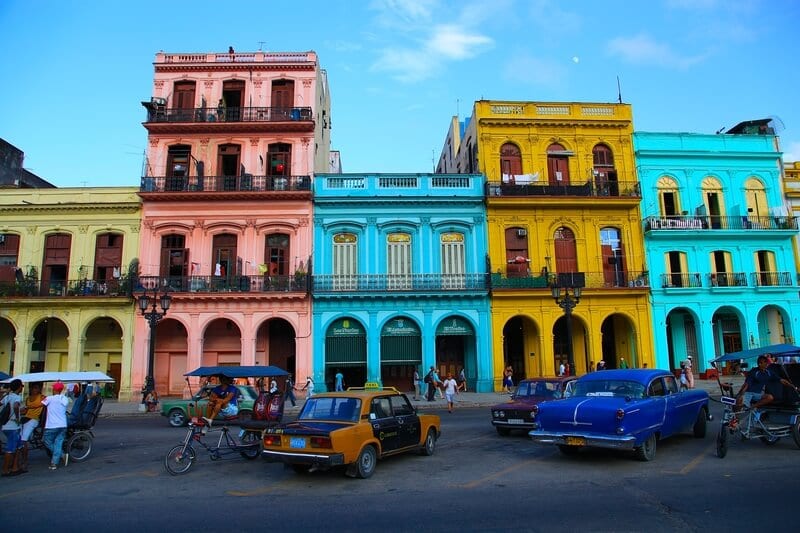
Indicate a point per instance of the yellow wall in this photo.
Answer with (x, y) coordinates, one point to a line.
(791, 182)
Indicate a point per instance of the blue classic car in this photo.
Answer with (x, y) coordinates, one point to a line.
(623, 409)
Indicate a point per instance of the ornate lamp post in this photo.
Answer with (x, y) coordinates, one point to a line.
(567, 302)
(148, 300)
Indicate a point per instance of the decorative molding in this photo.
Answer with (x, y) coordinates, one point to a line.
(425, 220)
(307, 83)
(31, 230)
(83, 228)
(254, 142)
(208, 84)
(158, 84)
(154, 142)
(134, 228)
(204, 141)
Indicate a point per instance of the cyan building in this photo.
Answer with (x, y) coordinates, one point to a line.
(718, 242)
(399, 278)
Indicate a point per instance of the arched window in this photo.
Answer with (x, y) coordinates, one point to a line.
(714, 202)
(605, 175)
(510, 162)
(566, 250)
(557, 165)
(668, 198)
(398, 261)
(722, 274)
(756, 198)
(453, 260)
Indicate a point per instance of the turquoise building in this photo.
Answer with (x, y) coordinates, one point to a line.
(399, 279)
(718, 242)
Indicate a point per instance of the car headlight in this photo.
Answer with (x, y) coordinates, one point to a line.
(501, 414)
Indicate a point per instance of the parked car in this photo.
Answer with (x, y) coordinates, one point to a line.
(622, 409)
(516, 413)
(354, 428)
(178, 411)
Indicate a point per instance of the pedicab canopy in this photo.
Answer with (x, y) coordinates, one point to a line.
(778, 350)
(239, 371)
(78, 377)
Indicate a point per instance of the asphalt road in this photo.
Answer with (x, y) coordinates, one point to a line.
(477, 480)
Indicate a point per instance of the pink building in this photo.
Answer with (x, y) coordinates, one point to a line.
(227, 213)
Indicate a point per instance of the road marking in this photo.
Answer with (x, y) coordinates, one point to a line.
(696, 461)
(73, 484)
(515, 467)
(244, 494)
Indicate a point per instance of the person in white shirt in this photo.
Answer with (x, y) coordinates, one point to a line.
(55, 425)
(309, 388)
(450, 390)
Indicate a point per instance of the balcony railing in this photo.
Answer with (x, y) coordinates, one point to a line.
(720, 222)
(590, 280)
(399, 283)
(771, 279)
(160, 114)
(65, 288)
(727, 279)
(226, 284)
(246, 182)
(590, 188)
(685, 280)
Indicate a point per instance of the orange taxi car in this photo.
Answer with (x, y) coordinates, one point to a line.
(353, 428)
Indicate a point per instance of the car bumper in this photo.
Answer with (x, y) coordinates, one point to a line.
(505, 424)
(623, 442)
(296, 458)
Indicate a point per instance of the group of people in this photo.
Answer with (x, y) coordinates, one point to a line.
(763, 385)
(446, 389)
(24, 416)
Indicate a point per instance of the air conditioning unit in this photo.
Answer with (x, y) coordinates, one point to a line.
(522, 233)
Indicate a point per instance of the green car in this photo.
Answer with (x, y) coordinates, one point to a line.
(179, 411)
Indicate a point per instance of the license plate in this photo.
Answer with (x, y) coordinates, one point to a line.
(297, 442)
(515, 421)
(575, 441)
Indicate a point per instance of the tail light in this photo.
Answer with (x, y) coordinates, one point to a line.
(272, 440)
(620, 414)
(321, 442)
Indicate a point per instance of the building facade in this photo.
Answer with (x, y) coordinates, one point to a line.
(66, 256)
(719, 244)
(233, 140)
(400, 279)
(791, 187)
(562, 203)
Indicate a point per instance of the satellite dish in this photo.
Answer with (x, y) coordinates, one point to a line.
(776, 124)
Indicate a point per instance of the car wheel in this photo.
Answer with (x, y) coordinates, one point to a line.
(365, 464)
(769, 440)
(79, 446)
(252, 445)
(301, 469)
(176, 418)
(796, 432)
(647, 451)
(699, 428)
(245, 416)
(722, 441)
(502, 431)
(568, 450)
(430, 443)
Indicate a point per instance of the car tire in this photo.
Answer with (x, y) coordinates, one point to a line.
(722, 441)
(699, 428)
(796, 432)
(504, 432)
(365, 464)
(176, 418)
(568, 450)
(429, 446)
(647, 451)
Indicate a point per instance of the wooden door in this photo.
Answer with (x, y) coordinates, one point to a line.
(566, 251)
(115, 372)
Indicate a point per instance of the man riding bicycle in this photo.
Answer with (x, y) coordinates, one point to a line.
(757, 385)
(222, 400)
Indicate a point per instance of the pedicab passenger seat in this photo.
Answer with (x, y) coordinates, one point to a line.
(87, 416)
(268, 417)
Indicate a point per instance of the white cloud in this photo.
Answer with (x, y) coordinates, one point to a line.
(791, 151)
(452, 42)
(643, 50)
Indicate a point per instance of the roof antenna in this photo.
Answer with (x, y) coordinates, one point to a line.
(719, 130)
(261, 45)
(619, 91)
(458, 100)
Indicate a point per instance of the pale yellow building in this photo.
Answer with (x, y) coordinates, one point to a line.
(791, 187)
(65, 285)
(563, 209)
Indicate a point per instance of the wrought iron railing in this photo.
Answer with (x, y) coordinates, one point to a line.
(589, 188)
(157, 113)
(771, 279)
(65, 288)
(246, 182)
(226, 284)
(681, 280)
(399, 282)
(727, 279)
(623, 279)
(720, 222)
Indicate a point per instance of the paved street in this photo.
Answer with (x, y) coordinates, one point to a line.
(477, 480)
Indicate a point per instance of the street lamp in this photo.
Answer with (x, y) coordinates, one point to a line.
(567, 302)
(149, 300)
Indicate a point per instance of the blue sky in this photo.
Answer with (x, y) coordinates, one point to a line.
(74, 73)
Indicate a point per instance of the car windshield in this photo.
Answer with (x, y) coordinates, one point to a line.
(609, 387)
(541, 389)
(339, 409)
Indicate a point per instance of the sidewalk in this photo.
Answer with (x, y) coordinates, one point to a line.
(465, 399)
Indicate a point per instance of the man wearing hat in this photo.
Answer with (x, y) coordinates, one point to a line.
(55, 426)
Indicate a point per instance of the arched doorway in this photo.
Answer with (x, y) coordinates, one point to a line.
(580, 352)
(682, 335)
(619, 342)
(455, 349)
(275, 345)
(401, 353)
(772, 326)
(8, 336)
(50, 347)
(728, 335)
(520, 341)
(346, 350)
(557, 165)
(102, 350)
(222, 343)
(172, 348)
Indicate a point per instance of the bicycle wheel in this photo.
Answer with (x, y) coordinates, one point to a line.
(79, 446)
(722, 441)
(251, 445)
(179, 459)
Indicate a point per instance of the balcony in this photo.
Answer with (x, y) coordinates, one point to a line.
(399, 283)
(214, 186)
(37, 288)
(590, 188)
(228, 284)
(771, 279)
(727, 279)
(162, 119)
(720, 223)
(681, 280)
(589, 280)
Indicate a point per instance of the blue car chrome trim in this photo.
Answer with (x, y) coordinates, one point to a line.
(595, 441)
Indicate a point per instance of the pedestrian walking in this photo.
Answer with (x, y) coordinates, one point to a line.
(450, 390)
(32, 412)
(11, 429)
(438, 383)
(309, 387)
(416, 384)
(429, 381)
(55, 425)
(339, 379)
(289, 393)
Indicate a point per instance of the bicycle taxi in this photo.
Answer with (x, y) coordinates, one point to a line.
(81, 415)
(223, 442)
(771, 422)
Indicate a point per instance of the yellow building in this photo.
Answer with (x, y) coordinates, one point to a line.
(791, 187)
(562, 211)
(65, 301)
